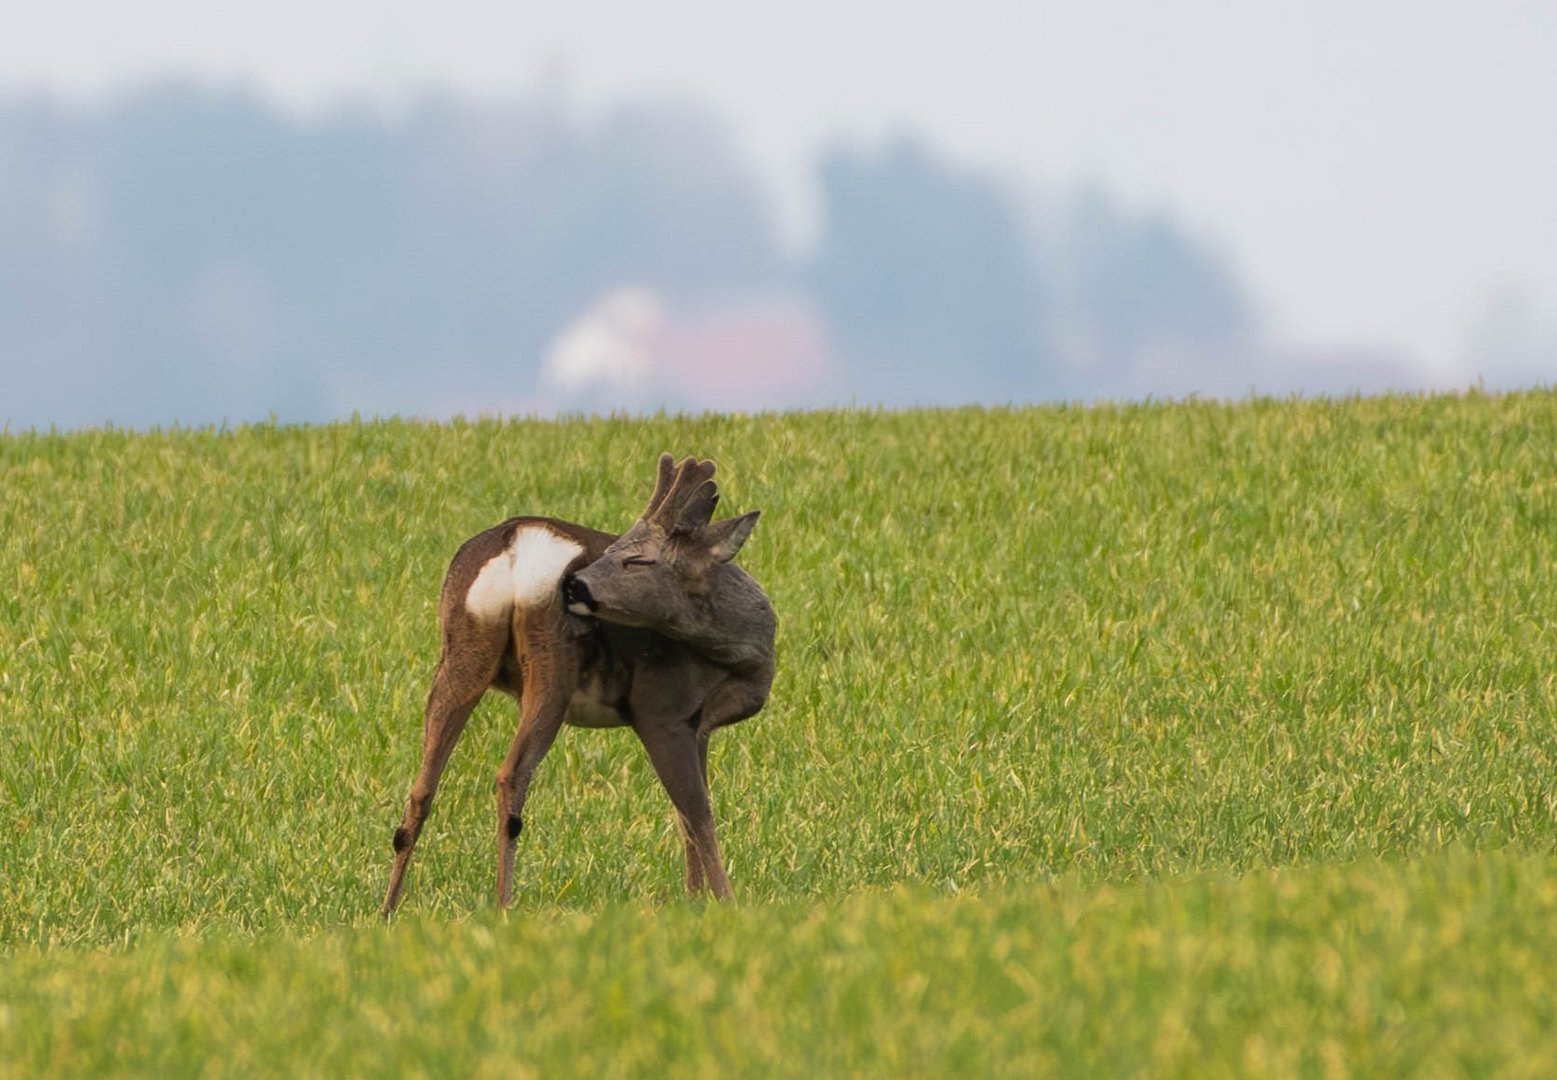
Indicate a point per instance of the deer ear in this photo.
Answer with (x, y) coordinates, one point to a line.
(724, 538)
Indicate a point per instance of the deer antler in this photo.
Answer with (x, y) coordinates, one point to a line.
(685, 495)
(661, 486)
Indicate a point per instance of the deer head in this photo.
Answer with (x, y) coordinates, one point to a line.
(670, 572)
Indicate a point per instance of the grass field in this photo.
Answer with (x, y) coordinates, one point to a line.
(1131, 739)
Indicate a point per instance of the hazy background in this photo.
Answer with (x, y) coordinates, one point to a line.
(214, 214)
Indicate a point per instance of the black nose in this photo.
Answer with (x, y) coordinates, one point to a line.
(575, 594)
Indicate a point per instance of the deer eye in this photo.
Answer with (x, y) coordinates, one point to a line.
(638, 560)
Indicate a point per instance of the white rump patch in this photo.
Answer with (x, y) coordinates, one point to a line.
(527, 574)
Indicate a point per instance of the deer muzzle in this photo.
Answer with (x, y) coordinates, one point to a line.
(576, 595)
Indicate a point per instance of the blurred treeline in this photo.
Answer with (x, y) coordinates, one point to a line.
(195, 255)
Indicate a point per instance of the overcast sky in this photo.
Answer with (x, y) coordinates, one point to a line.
(1380, 172)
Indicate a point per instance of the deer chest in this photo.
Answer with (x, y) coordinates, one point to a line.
(589, 706)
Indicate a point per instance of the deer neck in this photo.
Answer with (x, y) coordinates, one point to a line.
(736, 624)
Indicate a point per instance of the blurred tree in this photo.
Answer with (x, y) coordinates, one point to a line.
(927, 276)
(236, 261)
(1134, 286)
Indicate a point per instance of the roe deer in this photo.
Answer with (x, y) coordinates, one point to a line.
(655, 629)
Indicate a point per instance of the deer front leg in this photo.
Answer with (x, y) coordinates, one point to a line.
(696, 881)
(673, 750)
(457, 687)
(694, 874)
(543, 704)
(735, 699)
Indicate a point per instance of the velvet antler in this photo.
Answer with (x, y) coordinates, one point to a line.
(684, 496)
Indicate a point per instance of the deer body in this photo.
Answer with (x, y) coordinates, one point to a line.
(656, 630)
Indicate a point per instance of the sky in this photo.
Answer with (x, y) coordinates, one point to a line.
(1384, 175)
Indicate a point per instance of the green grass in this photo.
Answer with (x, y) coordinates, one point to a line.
(1130, 669)
(1438, 966)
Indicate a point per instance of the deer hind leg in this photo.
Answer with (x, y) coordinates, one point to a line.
(679, 757)
(548, 684)
(469, 662)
